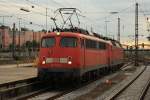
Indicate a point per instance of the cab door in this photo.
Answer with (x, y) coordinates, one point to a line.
(109, 55)
(82, 52)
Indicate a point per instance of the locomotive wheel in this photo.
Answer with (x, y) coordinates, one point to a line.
(41, 76)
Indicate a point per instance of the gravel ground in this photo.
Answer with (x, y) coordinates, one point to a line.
(102, 87)
(85, 89)
(112, 91)
(97, 88)
(44, 96)
(134, 90)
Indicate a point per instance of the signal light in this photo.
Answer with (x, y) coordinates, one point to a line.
(24, 9)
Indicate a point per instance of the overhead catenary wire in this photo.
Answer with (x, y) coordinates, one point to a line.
(26, 22)
(35, 12)
(96, 22)
(38, 6)
(109, 16)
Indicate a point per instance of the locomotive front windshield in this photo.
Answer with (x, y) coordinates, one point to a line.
(68, 42)
(48, 42)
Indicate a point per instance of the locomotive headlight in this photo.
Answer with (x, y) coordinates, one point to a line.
(44, 62)
(58, 33)
(69, 62)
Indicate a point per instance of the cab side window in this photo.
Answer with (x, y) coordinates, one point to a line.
(68, 42)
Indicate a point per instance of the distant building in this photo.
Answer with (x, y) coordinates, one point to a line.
(6, 36)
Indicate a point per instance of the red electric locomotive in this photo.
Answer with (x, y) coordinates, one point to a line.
(73, 52)
(70, 54)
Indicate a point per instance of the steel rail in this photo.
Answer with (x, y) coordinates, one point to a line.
(31, 94)
(18, 89)
(42, 91)
(144, 90)
(126, 65)
(18, 82)
(125, 87)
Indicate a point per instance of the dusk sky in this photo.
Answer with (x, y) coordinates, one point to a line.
(97, 14)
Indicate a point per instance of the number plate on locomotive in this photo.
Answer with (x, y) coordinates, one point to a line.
(49, 60)
(63, 60)
(55, 59)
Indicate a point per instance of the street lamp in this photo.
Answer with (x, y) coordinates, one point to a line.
(19, 34)
(148, 19)
(106, 21)
(148, 24)
(24, 9)
(114, 12)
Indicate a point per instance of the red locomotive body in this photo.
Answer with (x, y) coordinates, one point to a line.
(70, 54)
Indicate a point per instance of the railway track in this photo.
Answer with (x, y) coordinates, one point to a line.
(15, 83)
(51, 93)
(134, 88)
(32, 89)
(48, 93)
(17, 88)
(125, 87)
(63, 95)
(145, 90)
(27, 89)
